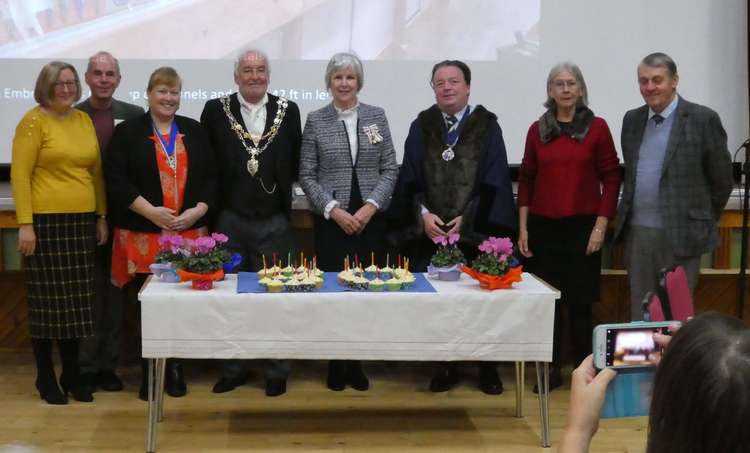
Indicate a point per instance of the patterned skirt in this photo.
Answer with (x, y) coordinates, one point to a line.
(60, 276)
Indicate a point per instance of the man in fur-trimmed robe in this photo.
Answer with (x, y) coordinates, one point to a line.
(454, 179)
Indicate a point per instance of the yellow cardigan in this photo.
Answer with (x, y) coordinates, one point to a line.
(56, 166)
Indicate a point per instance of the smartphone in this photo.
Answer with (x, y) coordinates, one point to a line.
(627, 345)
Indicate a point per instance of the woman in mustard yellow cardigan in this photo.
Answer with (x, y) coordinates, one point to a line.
(58, 190)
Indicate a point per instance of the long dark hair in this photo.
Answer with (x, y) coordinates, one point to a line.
(701, 397)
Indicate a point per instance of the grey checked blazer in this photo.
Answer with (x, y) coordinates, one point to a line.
(696, 178)
(325, 170)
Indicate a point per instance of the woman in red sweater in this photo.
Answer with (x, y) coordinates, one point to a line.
(567, 192)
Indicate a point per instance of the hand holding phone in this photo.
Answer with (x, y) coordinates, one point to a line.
(628, 345)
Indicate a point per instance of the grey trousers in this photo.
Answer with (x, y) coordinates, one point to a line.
(253, 239)
(101, 352)
(647, 252)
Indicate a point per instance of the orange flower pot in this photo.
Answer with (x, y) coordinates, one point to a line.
(201, 281)
(495, 281)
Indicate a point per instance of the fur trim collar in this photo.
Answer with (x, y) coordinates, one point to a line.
(549, 128)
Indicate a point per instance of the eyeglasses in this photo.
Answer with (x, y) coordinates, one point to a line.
(440, 84)
(69, 84)
(561, 84)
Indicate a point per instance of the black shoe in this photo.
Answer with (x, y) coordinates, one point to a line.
(489, 381)
(224, 384)
(336, 375)
(445, 378)
(275, 387)
(109, 382)
(51, 393)
(174, 381)
(79, 392)
(555, 380)
(355, 377)
(88, 381)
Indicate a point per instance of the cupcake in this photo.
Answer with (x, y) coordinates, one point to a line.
(393, 284)
(371, 271)
(359, 283)
(263, 282)
(318, 281)
(376, 285)
(408, 280)
(344, 276)
(287, 271)
(308, 284)
(293, 286)
(386, 272)
(269, 271)
(275, 286)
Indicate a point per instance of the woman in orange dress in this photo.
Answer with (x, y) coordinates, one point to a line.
(161, 178)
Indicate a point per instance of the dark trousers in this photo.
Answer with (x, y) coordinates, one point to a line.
(253, 239)
(101, 352)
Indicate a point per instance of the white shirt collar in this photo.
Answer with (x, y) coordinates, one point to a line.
(668, 110)
(459, 114)
(252, 106)
(347, 112)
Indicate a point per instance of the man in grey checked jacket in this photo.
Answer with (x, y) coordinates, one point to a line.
(678, 177)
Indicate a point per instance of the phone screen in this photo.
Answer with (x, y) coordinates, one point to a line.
(632, 347)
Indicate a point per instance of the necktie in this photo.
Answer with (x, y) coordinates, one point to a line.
(658, 119)
(451, 121)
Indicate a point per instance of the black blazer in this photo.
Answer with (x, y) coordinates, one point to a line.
(238, 191)
(130, 170)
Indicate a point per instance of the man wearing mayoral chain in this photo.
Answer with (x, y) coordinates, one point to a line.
(257, 138)
(454, 179)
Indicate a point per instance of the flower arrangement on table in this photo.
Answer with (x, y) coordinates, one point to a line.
(202, 260)
(495, 267)
(168, 258)
(447, 262)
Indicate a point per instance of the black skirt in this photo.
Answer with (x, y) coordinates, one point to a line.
(559, 249)
(60, 276)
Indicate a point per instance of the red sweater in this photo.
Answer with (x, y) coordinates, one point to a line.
(565, 178)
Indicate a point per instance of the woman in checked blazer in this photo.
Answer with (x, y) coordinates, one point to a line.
(348, 170)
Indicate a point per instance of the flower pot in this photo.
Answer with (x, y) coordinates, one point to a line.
(201, 281)
(202, 285)
(234, 261)
(165, 272)
(495, 281)
(450, 274)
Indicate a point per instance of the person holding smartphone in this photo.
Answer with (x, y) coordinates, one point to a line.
(567, 192)
(700, 402)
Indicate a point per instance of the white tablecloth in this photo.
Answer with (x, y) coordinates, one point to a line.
(458, 322)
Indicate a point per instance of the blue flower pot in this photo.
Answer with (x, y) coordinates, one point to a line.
(165, 272)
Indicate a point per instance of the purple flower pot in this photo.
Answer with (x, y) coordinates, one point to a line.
(450, 274)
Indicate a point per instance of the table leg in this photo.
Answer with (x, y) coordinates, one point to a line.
(151, 434)
(542, 382)
(520, 378)
(160, 376)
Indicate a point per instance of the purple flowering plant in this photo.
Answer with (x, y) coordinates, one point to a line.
(496, 257)
(203, 255)
(448, 254)
(171, 249)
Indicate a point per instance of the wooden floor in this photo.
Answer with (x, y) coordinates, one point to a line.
(396, 415)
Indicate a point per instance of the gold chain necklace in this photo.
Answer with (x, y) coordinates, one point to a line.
(252, 150)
